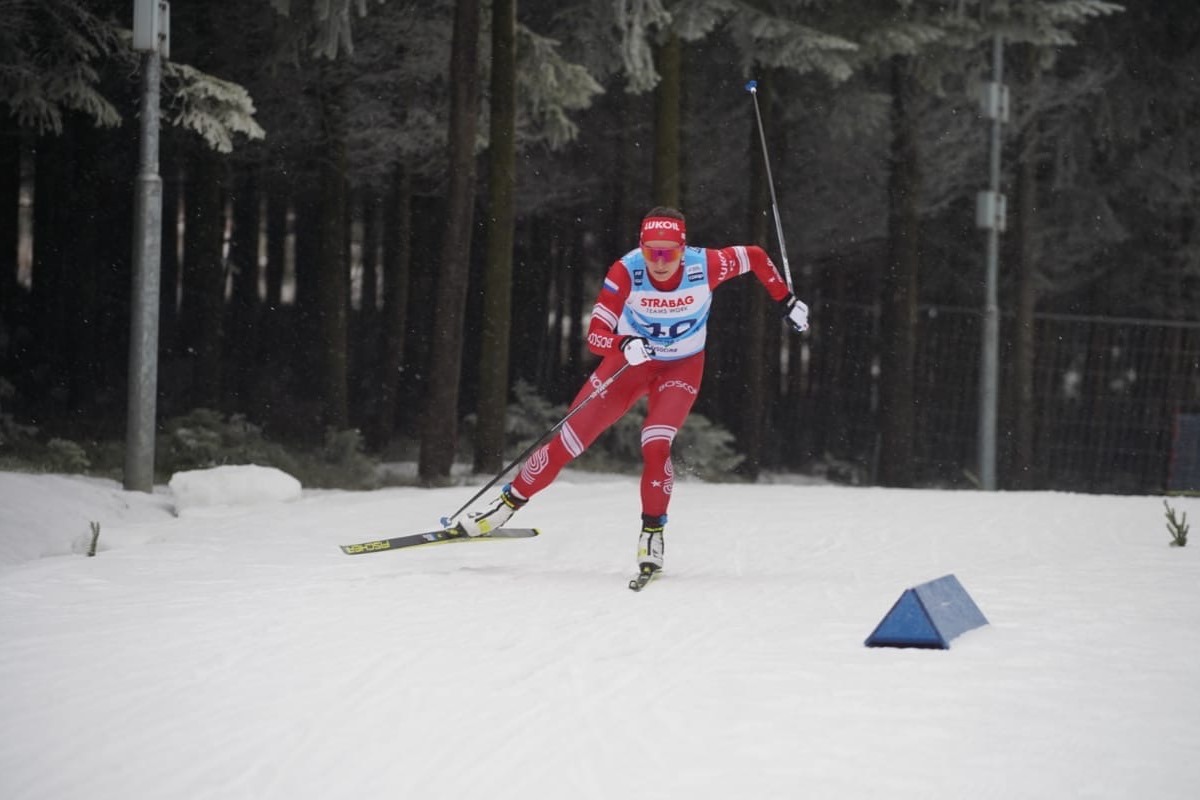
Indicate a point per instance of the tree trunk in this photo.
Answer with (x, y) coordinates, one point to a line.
(203, 300)
(10, 209)
(439, 431)
(307, 258)
(242, 353)
(752, 330)
(427, 214)
(1022, 473)
(573, 373)
(397, 263)
(530, 281)
(627, 178)
(301, 332)
(364, 335)
(899, 297)
(372, 222)
(88, 256)
(332, 293)
(277, 237)
(104, 291)
(274, 334)
(667, 102)
(51, 259)
(829, 427)
(497, 284)
(168, 295)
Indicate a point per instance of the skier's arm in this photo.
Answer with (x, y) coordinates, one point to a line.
(729, 262)
(602, 338)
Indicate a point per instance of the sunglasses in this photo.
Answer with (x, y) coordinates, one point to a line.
(661, 253)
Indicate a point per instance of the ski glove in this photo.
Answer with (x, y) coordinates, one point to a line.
(635, 350)
(795, 312)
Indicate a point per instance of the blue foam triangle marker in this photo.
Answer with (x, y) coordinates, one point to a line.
(906, 625)
(928, 616)
(950, 607)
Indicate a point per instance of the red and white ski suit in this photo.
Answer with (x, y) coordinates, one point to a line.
(673, 317)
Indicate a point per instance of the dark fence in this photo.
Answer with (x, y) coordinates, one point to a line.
(1113, 410)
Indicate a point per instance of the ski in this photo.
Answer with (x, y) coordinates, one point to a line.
(643, 578)
(441, 536)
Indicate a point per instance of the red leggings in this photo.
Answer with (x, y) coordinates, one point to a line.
(671, 388)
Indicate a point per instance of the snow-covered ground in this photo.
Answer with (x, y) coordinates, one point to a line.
(234, 652)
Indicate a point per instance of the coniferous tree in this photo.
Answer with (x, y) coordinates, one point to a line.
(332, 282)
(497, 288)
(1022, 464)
(10, 198)
(397, 262)
(667, 189)
(203, 296)
(752, 336)
(899, 285)
(242, 357)
(439, 429)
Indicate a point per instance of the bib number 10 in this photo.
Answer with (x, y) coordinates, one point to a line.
(674, 331)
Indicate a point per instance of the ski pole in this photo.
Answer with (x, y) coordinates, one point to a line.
(599, 390)
(752, 88)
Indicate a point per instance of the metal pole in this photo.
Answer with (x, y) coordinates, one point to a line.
(147, 258)
(990, 362)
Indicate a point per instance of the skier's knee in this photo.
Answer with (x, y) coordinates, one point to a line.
(656, 451)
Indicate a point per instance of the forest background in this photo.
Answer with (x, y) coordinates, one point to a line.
(385, 222)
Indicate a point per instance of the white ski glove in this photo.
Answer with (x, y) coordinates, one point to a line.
(795, 312)
(635, 350)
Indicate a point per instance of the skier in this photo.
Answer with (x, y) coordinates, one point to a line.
(652, 314)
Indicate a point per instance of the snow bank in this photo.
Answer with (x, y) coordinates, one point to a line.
(51, 515)
(240, 485)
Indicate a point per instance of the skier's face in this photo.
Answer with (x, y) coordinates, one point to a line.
(662, 258)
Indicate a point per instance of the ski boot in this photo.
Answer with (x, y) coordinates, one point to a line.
(650, 543)
(480, 523)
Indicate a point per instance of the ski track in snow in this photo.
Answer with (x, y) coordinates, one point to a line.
(238, 653)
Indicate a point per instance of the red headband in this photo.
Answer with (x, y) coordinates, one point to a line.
(663, 229)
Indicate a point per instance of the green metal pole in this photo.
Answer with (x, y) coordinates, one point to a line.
(990, 361)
